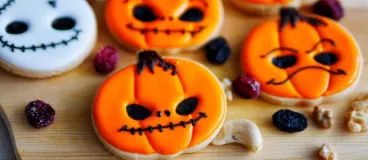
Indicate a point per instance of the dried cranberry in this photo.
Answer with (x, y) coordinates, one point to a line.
(246, 87)
(218, 51)
(289, 121)
(106, 60)
(40, 114)
(329, 8)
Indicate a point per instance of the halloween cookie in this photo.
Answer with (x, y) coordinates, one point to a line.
(302, 59)
(164, 25)
(159, 108)
(265, 7)
(42, 38)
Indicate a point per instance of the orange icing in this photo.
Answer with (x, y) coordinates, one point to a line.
(309, 83)
(159, 92)
(268, 2)
(119, 14)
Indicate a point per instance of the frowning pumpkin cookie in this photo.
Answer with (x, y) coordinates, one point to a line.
(265, 7)
(159, 108)
(302, 59)
(167, 25)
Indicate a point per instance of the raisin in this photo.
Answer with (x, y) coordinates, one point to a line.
(290, 121)
(329, 8)
(106, 60)
(218, 51)
(246, 87)
(40, 114)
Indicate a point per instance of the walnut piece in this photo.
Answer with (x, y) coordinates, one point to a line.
(322, 117)
(326, 153)
(357, 117)
(226, 85)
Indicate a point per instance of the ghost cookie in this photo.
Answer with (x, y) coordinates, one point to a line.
(164, 25)
(158, 108)
(265, 7)
(43, 38)
(302, 59)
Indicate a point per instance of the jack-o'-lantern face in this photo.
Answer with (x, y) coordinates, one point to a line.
(302, 57)
(164, 24)
(159, 106)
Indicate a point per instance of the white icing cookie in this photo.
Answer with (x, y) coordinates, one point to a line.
(42, 38)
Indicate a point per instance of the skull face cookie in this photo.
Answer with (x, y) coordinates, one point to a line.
(42, 38)
(166, 25)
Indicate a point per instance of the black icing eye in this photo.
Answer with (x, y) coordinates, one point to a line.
(326, 58)
(16, 27)
(192, 15)
(187, 106)
(284, 61)
(144, 13)
(63, 23)
(138, 112)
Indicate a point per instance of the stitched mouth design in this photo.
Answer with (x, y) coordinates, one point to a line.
(43, 46)
(160, 127)
(6, 5)
(338, 72)
(167, 31)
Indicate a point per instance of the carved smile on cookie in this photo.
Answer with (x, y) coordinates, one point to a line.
(4, 6)
(338, 72)
(167, 31)
(161, 128)
(44, 46)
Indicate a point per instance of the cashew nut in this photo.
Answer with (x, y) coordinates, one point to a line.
(240, 131)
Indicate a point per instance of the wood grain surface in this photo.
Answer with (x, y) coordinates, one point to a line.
(71, 94)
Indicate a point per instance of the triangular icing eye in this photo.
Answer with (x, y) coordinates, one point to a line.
(326, 58)
(144, 13)
(192, 15)
(187, 106)
(284, 61)
(138, 112)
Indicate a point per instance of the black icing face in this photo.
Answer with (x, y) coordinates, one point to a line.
(139, 112)
(22, 24)
(146, 14)
(184, 108)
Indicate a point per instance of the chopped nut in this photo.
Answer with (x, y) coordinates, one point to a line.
(357, 117)
(326, 153)
(227, 87)
(322, 117)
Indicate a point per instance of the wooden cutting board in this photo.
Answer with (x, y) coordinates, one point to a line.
(71, 94)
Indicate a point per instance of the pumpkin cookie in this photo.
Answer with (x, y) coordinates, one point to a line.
(159, 108)
(42, 38)
(265, 7)
(165, 25)
(302, 59)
